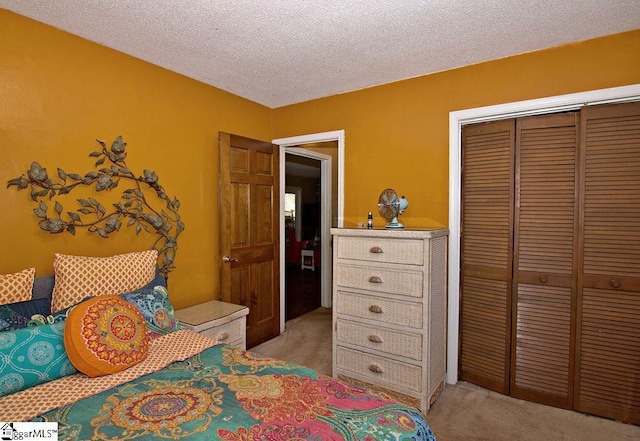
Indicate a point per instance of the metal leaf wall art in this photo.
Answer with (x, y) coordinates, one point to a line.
(133, 208)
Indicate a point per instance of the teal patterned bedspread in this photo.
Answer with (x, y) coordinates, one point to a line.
(228, 394)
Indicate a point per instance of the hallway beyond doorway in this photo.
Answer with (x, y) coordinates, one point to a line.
(302, 291)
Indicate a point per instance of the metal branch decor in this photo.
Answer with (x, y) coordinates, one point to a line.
(133, 207)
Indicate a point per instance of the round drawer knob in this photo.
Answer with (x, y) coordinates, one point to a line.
(376, 368)
(615, 283)
(375, 279)
(374, 339)
(223, 336)
(375, 250)
(375, 309)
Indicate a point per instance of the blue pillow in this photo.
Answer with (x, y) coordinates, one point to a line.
(56, 317)
(32, 356)
(9, 320)
(17, 315)
(31, 307)
(157, 281)
(155, 306)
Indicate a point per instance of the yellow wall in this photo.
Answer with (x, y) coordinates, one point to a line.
(397, 135)
(59, 93)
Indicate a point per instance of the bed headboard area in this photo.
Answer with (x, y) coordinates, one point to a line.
(75, 278)
(43, 287)
(138, 206)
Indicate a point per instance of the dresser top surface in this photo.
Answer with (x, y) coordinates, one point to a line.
(404, 233)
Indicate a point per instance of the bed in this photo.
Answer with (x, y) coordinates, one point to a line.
(177, 384)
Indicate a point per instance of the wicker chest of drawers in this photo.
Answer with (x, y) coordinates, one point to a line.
(389, 311)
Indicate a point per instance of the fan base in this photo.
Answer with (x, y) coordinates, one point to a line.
(394, 224)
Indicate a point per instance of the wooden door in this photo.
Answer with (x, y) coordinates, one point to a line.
(249, 214)
(486, 253)
(608, 367)
(545, 267)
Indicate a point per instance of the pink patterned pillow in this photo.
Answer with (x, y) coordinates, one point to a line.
(77, 277)
(16, 287)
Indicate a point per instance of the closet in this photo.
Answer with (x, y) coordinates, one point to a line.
(550, 249)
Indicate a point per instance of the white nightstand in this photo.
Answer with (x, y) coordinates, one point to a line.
(220, 321)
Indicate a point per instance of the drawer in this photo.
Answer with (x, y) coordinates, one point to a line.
(380, 370)
(389, 341)
(225, 333)
(372, 249)
(387, 280)
(379, 309)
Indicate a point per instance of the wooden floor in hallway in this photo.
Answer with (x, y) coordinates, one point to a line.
(302, 291)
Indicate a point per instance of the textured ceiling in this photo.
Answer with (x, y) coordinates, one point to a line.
(280, 52)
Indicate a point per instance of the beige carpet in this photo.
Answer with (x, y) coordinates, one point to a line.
(306, 341)
(464, 412)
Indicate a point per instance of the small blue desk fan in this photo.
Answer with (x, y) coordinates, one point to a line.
(390, 206)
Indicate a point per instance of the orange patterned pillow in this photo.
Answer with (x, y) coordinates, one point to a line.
(78, 277)
(105, 335)
(16, 287)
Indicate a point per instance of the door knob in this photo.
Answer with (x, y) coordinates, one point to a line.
(227, 259)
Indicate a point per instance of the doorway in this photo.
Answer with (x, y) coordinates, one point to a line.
(302, 238)
(331, 202)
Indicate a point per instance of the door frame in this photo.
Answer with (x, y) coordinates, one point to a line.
(291, 144)
(459, 118)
